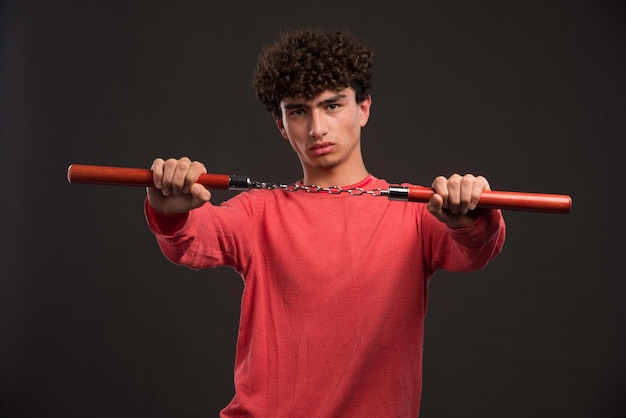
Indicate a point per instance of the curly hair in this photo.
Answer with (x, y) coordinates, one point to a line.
(305, 62)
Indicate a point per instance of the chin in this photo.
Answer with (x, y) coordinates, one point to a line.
(327, 164)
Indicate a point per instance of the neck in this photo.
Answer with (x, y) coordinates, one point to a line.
(334, 177)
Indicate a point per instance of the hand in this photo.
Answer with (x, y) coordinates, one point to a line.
(176, 190)
(455, 199)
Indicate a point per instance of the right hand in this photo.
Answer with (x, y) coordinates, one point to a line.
(176, 190)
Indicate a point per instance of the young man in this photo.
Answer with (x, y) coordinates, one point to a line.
(333, 307)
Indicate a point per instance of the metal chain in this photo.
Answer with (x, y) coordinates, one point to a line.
(355, 191)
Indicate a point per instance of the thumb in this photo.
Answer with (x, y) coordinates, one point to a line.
(199, 195)
(435, 207)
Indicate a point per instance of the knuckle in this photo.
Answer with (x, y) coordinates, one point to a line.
(454, 180)
(439, 180)
(183, 165)
(198, 165)
(467, 180)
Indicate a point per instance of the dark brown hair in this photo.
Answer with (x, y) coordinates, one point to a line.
(305, 62)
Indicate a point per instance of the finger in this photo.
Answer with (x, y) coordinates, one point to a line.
(480, 185)
(440, 186)
(466, 193)
(157, 172)
(195, 170)
(454, 193)
(179, 177)
(169, 169)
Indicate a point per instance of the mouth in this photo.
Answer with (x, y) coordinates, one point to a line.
(321, 148)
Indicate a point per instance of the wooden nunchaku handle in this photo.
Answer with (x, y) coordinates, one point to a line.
(123, 176)
(533, 202)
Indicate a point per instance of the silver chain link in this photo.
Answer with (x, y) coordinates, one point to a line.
(355, 191)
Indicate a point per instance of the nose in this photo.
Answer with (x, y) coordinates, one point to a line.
(319, 127)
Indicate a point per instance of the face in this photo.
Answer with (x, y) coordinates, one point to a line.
(325, 131)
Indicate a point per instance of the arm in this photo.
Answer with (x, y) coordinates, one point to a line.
(169, 210)
(468, 238)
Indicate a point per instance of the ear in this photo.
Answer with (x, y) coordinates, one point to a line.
(281, 126)
(364, 108)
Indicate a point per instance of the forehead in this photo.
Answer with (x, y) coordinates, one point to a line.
(344, 94)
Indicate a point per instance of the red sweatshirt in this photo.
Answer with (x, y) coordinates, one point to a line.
(335, 294)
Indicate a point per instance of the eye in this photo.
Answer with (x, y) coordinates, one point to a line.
(297, 112)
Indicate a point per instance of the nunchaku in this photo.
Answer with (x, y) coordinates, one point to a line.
(127, 176)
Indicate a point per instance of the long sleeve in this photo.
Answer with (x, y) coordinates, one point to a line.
(463, 249)
(205, 237)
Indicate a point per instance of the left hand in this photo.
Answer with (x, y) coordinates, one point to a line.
(455, 199)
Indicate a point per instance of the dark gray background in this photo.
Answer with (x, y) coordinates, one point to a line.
(94, 322)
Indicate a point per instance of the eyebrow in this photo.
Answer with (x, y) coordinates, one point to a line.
(323, 103)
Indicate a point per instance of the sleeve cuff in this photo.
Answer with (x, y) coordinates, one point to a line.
(489, 220)
(163, 224)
